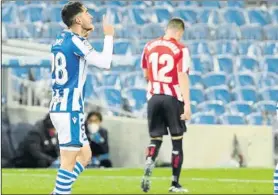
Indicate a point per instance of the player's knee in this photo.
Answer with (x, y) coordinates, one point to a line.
(68, 159)
(156, 138)
(177, 144)
(85, 155)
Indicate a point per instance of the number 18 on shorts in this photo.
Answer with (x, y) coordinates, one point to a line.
(71, 129)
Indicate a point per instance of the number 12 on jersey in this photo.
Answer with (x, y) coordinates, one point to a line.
(160, 74)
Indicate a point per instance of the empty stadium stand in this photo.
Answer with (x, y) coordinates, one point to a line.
(234, 49)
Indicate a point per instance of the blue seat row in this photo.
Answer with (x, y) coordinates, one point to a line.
(255, 118)
(141, 15)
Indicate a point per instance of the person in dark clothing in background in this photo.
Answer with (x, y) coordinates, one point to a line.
(98, 139)
(39, 149)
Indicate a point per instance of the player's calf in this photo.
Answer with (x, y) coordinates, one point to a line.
(83, 159)
(65, 174)
(152, 152)
(177, 159)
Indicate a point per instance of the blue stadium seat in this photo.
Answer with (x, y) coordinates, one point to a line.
(234, 16)
(271, 64)
(136, 97)
(225, 63)
(270, 93)
(266, 106)
(259, 16)
(162, 14)
(97, 45)
(214, 106)
(110, 79)
(202, 63)
(270, 48)
(246, 94)
(240, 107)
(139, 3)
(187, 3)
(271, 32)
(214, 79)
(52, 30)
(274, 14)
(115, 3)
(198, 47)
(249, 47)
(134, 31)
(164, 3)
(196, 94)
(45, 63)
(139, 17)
(14, 62)
(255, 119)
(242, 79)
(225, 47)
(267, 79)
(197, 32)
(121, 47)
(209, 16)
(218, 93)
(9, 13)
(193, 106)
(214, 4)
(223, 31)
(195, 79)
(233, 119)
(248, 64)
(234, 3)
(252, 32)
(89, 86)
(122, 68)
(188, 15)
(55, 13)
(21, 72)
(110, 96)
(135, 79)
(33, 13)
(150, 31)
(204, 118)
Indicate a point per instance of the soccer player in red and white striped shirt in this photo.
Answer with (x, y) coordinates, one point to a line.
(166, 63)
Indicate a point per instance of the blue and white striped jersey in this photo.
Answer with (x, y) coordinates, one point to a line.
(69, 72)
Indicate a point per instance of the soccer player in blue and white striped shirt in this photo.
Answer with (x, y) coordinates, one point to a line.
(71, 54)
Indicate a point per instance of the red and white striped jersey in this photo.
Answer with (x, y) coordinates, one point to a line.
(163, 59)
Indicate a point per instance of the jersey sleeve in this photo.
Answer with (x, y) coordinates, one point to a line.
(80, 47)
(143, 59)
(184, 62)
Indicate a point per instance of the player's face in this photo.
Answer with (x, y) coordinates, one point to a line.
(86, 20)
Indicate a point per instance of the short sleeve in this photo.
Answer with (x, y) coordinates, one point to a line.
(184, 61)
(143, 59)
(81, 47)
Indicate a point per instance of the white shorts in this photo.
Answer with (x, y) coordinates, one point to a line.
(70, 127)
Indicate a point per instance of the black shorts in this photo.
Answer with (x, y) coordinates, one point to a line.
(164, 112)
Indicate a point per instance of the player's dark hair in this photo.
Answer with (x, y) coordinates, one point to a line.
(94, 113)
(69, 11)
(176, 23)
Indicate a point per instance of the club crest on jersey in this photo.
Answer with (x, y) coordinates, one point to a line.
(87, 44)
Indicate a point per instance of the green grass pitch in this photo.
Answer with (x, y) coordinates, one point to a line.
(127, 181)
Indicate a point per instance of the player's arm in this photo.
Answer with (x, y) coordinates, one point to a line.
(183, 78)
(144, 65)
(100, 59)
